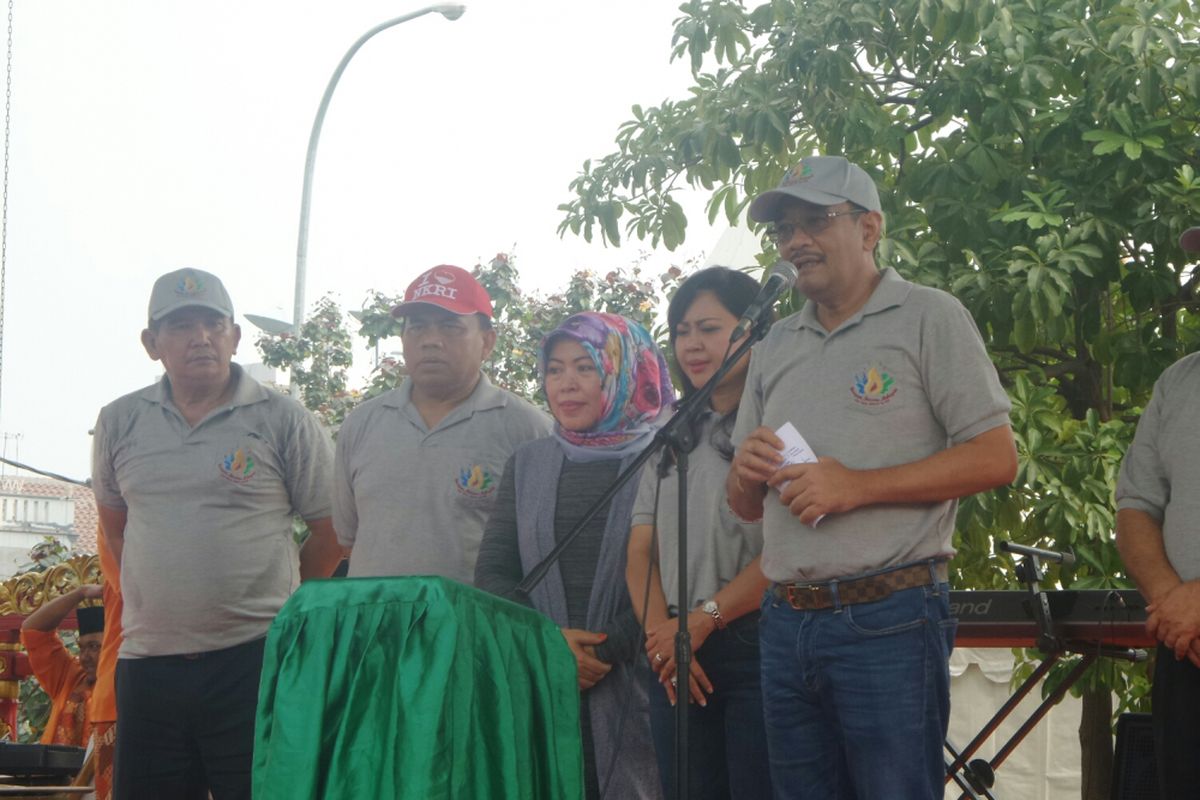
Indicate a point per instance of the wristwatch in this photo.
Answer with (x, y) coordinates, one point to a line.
(711, 608)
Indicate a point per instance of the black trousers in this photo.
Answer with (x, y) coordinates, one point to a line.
(187, 724)
(1176, 719)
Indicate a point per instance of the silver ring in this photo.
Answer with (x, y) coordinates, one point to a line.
(674, 681)
(658, 657)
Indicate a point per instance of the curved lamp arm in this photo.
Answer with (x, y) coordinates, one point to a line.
(450, 12)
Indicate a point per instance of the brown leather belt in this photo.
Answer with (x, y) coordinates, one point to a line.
(816, 596)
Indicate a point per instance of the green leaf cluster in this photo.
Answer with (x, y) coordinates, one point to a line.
(318, 358)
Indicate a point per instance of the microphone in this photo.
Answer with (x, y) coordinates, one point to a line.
(1066, 558)
(779, 280)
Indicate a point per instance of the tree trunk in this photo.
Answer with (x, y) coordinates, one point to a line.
(1096, 744)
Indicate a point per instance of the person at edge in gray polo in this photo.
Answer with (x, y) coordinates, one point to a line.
(197, 479)
(1158, 536)
(890, 385)
(417, 468)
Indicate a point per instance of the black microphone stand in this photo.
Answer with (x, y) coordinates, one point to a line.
(677, 434)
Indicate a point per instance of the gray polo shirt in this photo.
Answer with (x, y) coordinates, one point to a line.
(209, 555)
(904, 378)
(719, 544)
(413, 501)
(1161, 471)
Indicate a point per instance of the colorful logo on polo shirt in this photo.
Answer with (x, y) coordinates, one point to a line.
(475, 481)
(189, 286)
(873, 387)
(239, 465)
(797, 174)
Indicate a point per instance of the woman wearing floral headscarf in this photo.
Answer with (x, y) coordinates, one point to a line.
(607, 385)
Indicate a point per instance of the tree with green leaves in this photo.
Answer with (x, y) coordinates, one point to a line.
(1035, 158)
(318, 358)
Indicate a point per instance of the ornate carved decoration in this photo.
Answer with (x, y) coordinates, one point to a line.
(23, 594)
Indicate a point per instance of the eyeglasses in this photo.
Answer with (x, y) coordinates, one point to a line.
(812, 225)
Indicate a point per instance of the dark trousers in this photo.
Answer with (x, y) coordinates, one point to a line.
(187, 724)
(727, 741)
(1176, 719)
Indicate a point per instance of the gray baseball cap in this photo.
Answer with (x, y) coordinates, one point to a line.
(188, 287)
(1190, 240)
(823, 180)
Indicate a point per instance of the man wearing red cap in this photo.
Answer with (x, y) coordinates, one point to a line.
(417, 468)
(1158, 535)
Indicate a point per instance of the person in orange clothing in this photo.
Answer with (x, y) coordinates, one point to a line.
(104, 696)
(66, 678)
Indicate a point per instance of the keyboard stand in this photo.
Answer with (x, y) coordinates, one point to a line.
(977, 776)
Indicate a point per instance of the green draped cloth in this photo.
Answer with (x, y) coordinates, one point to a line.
(417, 688)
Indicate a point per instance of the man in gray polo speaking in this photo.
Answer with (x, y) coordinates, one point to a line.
(890, 385)
(197, 478)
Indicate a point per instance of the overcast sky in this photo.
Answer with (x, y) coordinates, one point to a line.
(149, 135)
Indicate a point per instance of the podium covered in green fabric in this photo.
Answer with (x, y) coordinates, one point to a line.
(417, 688)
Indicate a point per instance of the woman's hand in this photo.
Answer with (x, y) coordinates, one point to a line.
(583, 646)
(660, 649)
(699, 686)
(660, 639)
(660, 643)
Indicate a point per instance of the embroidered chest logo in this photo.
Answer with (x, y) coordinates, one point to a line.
(475, 481)
(239, 465)
(873, 387)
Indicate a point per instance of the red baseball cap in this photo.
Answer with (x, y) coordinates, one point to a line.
(448, 287)
(1190, 240)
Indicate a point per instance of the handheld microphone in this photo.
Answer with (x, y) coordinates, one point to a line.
(781, 278)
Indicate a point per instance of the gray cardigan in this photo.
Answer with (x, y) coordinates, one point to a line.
(620, 719)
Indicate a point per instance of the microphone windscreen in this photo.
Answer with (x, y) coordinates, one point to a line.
(784, 269)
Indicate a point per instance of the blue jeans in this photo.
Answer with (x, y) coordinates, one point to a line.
(857, 697)
(727, 744)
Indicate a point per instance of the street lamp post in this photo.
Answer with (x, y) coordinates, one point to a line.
(450, 12)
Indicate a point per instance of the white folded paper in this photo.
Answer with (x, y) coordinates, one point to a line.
(795, 451)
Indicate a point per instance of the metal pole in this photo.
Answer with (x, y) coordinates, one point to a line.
(450, 12)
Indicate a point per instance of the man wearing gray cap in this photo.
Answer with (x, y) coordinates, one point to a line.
(890, 385)
(1158, 536)
(197, 479)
